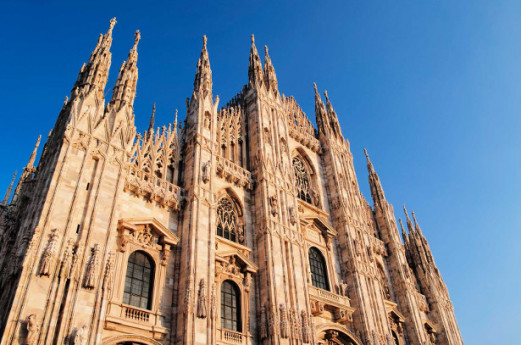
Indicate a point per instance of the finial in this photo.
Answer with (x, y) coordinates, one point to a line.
(204, 41)
(315, 86)
(152, 118)
(33, 155)
(175, 120)
(325, 94)
(137, 37)
(9, 190)
(65, 101)
(401, 224)
(414, 217)
(252, 39)
(366, 154)
(266, 50)
(112, 23)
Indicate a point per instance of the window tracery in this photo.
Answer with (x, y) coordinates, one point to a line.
(303, 181)
(228, 225)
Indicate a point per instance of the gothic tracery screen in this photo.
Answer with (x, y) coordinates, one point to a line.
(227, 221)
(303, 180)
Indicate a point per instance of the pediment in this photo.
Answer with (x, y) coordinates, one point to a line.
(242, 260)
(392, 310)
(152, 224)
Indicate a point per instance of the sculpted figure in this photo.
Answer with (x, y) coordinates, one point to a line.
(284, 324)
(306, 328)
(49, 255)
(274, 203)
(80, 337)
(201, 300)
(263, 323)
(206, 172)
(33, 330)
(92, 268)
(292, 215)
(343, 288)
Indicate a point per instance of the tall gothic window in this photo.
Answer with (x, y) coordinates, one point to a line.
(318, 268)
(139, 280)
(303, 180)
(230, 306)
(227, 221)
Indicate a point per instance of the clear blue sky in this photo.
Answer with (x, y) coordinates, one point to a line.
(431, 88)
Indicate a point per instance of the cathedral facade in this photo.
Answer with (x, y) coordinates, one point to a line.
(245, 225)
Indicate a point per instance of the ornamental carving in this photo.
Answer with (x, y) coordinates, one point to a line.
(306, 327)
(228, 222)
(65, 270)
(274, 204)
(49, 254)
(202, 300)
(91, 273)
(80, 336)
(284, 323)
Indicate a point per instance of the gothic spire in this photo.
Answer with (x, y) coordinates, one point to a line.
(124, 91)
(152, 119)
(270, 78)
(377, 191)
(320, 112)
(30, 164)
(9, 190)
(416, 225)
(333, 118)
(203, 74)
(404, 234)
(28, 170)
(93, 75)
(255, 74)
(409, 223)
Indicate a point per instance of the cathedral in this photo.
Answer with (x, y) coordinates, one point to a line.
(244, 225)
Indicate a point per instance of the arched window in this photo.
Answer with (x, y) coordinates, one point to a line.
(395, 338)
(303, 180)
(230, 306)
(318, 268)
(227, 221)
(139, 280)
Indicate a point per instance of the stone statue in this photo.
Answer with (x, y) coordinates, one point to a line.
(343, 288)
(206, 172)
(92, 268)
(284, 324)
(292, 215)
(306, 328)
(274, 203)
(33, 330)
(263, 323)
(49, 255)
(201, 300)
(80, 337)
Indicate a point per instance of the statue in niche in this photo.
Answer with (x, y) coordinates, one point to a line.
(284, 324)
(201, 300)
(206, 172)
(80, 337)
(292, 215)
(92, 268)
(33, 330)
(342, 287)
(49, 255)
(274, 203)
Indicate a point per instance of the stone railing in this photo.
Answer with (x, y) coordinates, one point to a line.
(304, 138)
(231, 336)
(329, 297)
(135, 314)
(153, 188)
(232, 172)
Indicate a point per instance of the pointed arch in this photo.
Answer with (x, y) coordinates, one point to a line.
(230, 217)
(305, 177)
